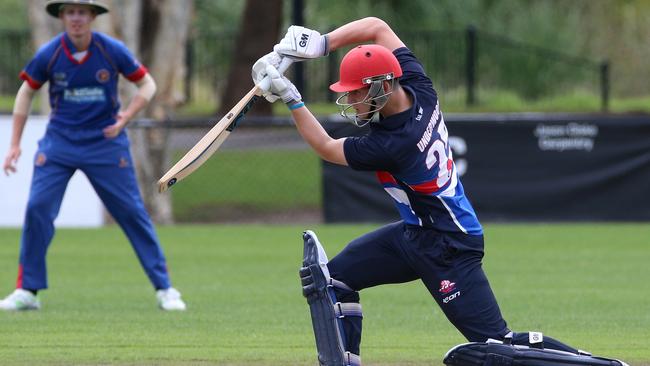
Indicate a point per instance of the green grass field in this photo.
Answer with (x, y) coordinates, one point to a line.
(262, 182)
(585, 284)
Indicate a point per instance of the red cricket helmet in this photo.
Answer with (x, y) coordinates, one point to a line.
(364, 64)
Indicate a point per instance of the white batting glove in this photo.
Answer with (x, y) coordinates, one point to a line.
(282, 88)
(258, 72)
(302, 43)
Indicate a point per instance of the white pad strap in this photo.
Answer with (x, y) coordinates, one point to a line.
(343, 309)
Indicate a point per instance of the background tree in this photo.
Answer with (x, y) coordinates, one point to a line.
(156, 30)
(258, 33)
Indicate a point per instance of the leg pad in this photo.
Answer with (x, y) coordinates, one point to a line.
(326, 312)
(499, 354)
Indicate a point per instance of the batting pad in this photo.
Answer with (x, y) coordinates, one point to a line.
(499, 354)
(326, 312)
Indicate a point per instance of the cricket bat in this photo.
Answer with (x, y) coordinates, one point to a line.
(212, 140)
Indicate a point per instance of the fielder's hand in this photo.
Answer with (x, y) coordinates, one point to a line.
(302, 43)
(114, 130)
(11, 160)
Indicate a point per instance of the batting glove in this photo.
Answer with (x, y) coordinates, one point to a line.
(282, 88)
(258, 72)
(302, 43)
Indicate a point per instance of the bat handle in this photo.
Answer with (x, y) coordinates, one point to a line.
(284, 65)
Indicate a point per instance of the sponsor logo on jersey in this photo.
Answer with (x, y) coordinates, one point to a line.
(103, 76)
(447, 286)
(59, 79)
(40, 159)
(451, 297)
(419, 116)
(84, 95)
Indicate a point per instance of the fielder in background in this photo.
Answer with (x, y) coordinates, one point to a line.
(85, 132)
(439, 239)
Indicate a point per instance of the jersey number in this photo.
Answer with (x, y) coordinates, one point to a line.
(437, 155)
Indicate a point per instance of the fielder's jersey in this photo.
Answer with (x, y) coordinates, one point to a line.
(411, 156)
(83, 93)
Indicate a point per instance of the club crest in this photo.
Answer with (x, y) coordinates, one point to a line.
(103, 75)
(40, 159)
(447, 286)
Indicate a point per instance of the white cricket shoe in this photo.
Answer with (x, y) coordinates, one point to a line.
(170, 300)
(20, 300)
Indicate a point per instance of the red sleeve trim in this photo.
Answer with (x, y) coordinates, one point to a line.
(32, 83)
(137, 74)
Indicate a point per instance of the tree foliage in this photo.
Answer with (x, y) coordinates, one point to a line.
(614, 30)
(611, 30)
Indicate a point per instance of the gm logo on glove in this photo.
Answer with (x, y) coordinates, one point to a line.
(303, 40)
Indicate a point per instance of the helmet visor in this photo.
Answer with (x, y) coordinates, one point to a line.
(376, 99)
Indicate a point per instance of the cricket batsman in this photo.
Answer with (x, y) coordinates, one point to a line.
(438, 240)
(85, 132)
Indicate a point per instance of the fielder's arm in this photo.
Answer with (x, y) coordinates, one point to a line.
(146, 90)
(22, 104)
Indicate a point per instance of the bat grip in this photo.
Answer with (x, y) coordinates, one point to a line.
(284, 65)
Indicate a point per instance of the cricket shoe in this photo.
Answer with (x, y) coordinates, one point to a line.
(170, 300)
(20, 300)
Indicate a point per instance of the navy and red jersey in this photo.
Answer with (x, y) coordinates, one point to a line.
(83, 93)
(410, 154)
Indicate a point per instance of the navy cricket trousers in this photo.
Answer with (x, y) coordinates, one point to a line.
(107, 164)
(449, 265)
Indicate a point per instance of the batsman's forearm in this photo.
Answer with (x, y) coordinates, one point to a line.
(314, 134)
(310, 129)
(369, 29)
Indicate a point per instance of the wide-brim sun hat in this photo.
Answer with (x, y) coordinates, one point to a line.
(54, 6)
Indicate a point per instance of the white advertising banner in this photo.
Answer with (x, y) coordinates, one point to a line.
(81, 207)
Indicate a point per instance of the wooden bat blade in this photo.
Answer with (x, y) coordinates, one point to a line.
(209, 143)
